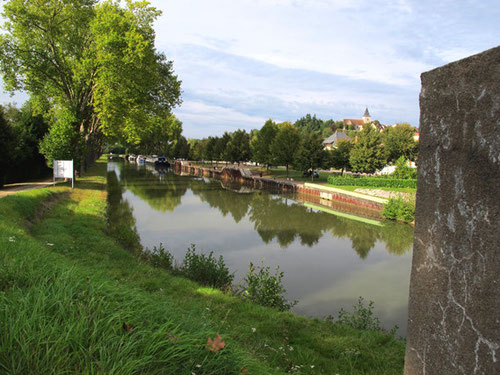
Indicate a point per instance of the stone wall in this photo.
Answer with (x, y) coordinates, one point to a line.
(454, 307)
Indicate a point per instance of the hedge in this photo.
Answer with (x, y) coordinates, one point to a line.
(372, 182)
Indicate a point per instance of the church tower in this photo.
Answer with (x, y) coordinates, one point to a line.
(366, 117)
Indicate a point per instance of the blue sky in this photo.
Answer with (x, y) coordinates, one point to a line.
(244, 61)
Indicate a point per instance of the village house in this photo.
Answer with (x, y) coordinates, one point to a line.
(331, 142)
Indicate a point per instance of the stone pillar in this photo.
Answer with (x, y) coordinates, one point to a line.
(454, 307)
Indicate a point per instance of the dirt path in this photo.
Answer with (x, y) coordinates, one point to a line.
(23, 186)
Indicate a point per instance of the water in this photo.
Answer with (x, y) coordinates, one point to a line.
(328, 261)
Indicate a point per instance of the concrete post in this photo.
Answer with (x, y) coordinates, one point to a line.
(454, 307)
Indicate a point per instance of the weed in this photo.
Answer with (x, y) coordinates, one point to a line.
(361, 318)
(400, 209)
(159, 257)
(266, 289)
(206, 269)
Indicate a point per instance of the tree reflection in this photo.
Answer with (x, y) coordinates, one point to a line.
(274, 217)
(162, 194)
(120, 217)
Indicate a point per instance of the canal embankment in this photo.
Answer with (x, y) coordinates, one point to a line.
(76, 300)
(327, 196)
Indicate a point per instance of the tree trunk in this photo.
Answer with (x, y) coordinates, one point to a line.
(287, 171)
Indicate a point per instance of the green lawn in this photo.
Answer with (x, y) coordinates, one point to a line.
(72, 301)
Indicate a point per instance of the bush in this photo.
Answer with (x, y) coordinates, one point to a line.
(403, 170)
(372, 182)
(361, 318)
(159, 257)
(400, 209)
(206, 269)
(266, 289)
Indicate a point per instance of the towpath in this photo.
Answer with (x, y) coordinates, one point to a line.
(23, 186)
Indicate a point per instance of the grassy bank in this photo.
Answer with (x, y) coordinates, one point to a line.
(74, 300)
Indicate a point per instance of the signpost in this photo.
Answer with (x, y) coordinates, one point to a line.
(64, 169)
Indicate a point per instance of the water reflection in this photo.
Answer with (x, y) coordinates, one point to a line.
(274, 217)
(328, 260)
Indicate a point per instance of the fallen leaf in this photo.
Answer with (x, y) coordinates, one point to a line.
(216, 344)
(244, 371)
(127, 327)
(172, 338)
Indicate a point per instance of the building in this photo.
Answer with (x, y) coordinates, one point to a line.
(331, 142)
(358, 123)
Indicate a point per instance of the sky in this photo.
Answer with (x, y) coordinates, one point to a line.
(242, 62)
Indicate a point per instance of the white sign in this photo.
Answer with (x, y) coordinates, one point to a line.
(63, 168)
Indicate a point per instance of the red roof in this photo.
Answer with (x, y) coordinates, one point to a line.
(351, 121)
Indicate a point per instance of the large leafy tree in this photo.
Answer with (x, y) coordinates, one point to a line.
(310, 154)
(261, 144)
(92, 66)
(398, 141)
(238, 148)
(285, 144)
(338, 158)
(367, 154)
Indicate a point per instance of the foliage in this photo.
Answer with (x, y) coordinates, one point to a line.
(399, 142)
(181, 148)
(20, 134)
(7, 147)
(206, 269)
(403, 170)
(400, 209)
(372, 182)
(63, 142)
(238, 148)
(310, 154)
(91, 62)
(159, 257)
(361, 318)
(367, 154)
(338, 158)
(159, 138)
(261, 145)
(285, 144)
(266, 289)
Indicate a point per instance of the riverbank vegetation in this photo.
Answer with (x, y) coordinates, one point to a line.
(76, 300)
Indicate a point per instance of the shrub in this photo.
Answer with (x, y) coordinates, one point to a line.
(403, 170)
(361, 318)
(372, 182)
(159, 257)
(266, 289)
(400, 209)
(206, 269)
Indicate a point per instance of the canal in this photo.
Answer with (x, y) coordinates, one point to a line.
(329, 261)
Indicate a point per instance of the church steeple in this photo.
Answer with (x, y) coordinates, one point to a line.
(366, 116)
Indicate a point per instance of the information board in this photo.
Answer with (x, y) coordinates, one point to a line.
(63, 169)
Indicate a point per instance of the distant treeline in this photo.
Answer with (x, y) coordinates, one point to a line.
(301, 145)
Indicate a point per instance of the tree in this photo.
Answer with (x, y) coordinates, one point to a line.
(222, 146)
(285, 144)
(92, 65)
(181, 148)
(398, 141)
(310, 154)
(160, 136)
(7, 147)
(238, 148)
(367, 154)
(209, 152)
(261, 144)
(339, 157)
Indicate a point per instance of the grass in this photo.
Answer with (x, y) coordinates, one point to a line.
(73, 300)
